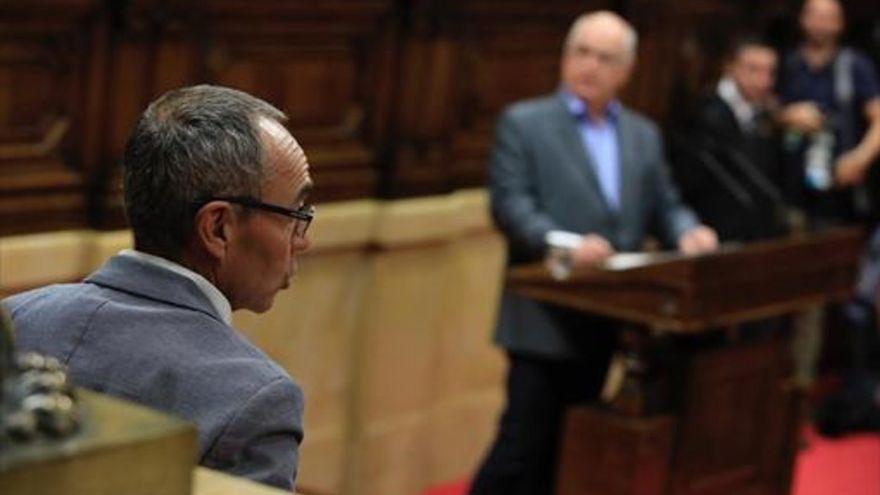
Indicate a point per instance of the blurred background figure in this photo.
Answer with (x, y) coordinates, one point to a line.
(578, 164)
(855, 406)
(726, 155)
(832, 136)
(832, 118)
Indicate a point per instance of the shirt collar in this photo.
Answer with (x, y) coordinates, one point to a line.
(217, 299)
(742, 109)
(578, 109)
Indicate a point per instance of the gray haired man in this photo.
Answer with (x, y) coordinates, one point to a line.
(215, 191)
(580, 165)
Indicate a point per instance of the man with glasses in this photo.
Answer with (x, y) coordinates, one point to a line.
(215, 191)
(580, 167)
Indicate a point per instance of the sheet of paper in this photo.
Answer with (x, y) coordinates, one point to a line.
(628, 261)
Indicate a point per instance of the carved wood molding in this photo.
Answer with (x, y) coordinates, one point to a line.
(45, 55)
(389, 98)
(325, 64)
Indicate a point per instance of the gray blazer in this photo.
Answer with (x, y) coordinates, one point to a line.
(541, 179)
(137, 331)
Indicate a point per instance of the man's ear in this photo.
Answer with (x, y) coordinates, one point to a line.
(212, 227)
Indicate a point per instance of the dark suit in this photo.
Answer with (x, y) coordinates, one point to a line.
(541, 179)
(730, 175)
(144, 333)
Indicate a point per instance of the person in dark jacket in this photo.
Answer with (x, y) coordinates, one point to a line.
(726, 159)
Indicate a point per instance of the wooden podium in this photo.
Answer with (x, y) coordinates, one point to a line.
(121, 448)
(707, 405)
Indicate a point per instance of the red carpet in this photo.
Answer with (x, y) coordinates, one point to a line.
(848, 466)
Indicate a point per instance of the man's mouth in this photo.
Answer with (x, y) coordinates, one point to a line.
(285, 281)
(288, 277)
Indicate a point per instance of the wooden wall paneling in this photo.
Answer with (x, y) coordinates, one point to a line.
(463, 62)
(325, 65)
(682, 54)
(659, 32)
(506, 55)
(136, 29)
(45, 56)
(414, 149)
(389, 97)
(93, 130)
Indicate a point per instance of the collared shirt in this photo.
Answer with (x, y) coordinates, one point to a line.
(600, 142)
(743, 110)
(217, 299)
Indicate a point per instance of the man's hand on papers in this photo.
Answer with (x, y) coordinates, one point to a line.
(592, 250)
(701, 239)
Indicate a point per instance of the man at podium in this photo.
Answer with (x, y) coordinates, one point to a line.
(576, 168)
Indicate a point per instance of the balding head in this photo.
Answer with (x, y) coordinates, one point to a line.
(598, 57)
(611, 25)
(822, 21)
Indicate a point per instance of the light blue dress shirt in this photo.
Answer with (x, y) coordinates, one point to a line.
(600, 143)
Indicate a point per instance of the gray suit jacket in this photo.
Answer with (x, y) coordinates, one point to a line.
(137, 331)
(541, 179)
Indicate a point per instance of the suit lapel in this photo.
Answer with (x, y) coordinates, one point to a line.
(152, 282)
(736, 131)
(579, 163)
(627, 155)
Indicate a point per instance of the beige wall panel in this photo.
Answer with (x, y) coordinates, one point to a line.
(310, 328)
(426, 353)
(394, 458)
(323, 457)
(349, 224)
(103, 245)
(418, 221)
(387, 327)
(467, 361)
(466, 392)
(460, 432)
(474, 207)
(31, 260)
(309, 331)
(403, 314)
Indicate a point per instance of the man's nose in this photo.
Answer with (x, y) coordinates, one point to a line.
(300, 244)
(591, 61)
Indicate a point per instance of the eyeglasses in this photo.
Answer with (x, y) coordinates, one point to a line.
(303, 215)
